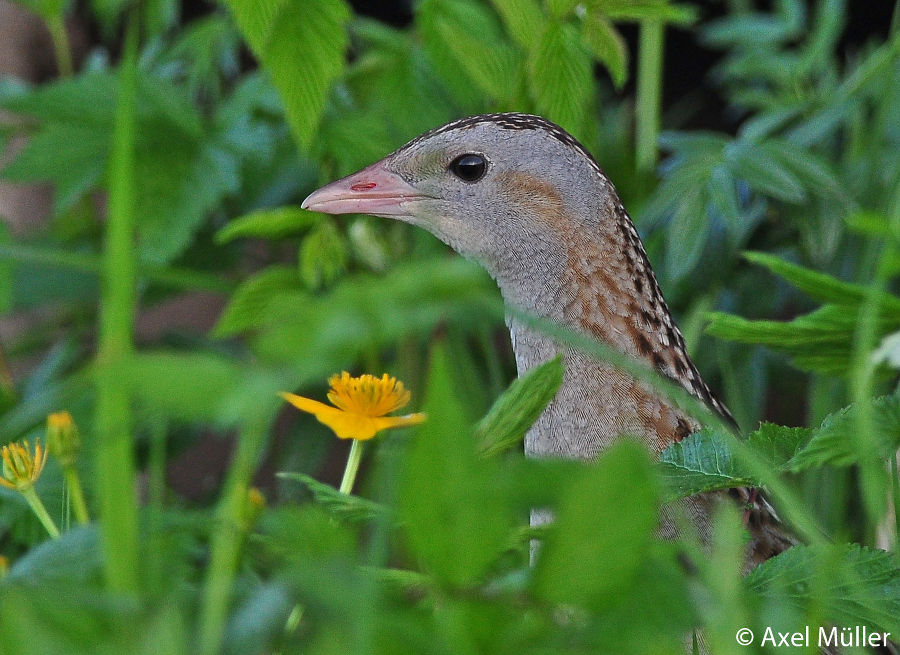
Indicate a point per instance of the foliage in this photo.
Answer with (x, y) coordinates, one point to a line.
(178, 160)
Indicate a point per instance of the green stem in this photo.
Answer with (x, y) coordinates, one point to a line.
(40, 511)
(61, 46)
(353, 461)
(115, 456)
(76, 494)
(177, 278)
(895, 489)
(873, 479)
(649, 93)
(227, 539)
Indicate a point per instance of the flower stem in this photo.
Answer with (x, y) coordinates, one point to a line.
(649, 92)
(228, 538)
(40, 511)
(76, 494)
(61, 46)
(114, 457)
(352, 466)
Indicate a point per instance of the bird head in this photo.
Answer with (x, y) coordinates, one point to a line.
(502, 188)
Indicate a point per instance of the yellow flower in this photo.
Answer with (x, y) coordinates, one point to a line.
(20, 468)
(360, 405)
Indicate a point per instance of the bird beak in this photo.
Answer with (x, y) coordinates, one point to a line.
(373, 190)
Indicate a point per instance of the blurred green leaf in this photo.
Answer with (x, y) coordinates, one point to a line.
(509, 418)
(323, 255)
(248, 306)
(301, 45)
(594, 550)
(267, 224)
(46, 9)
(457, 520)
(345, 506)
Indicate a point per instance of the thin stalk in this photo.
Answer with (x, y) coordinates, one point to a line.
(40, 511)
(352, 467)
(649, 93)
(114, 457)
(76, 495)
(895, 490)
(177, 278)
(61, 46)
(228, 538)
(873, 478)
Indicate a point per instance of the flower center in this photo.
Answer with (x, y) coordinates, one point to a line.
(367, 395)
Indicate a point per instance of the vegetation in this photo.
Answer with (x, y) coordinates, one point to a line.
(178, 164)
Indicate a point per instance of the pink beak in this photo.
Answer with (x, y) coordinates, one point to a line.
(373, 190)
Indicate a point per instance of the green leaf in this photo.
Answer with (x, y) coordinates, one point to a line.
(505, 424)
(777, 444)
(249, 304)
(820, 286)
(457, 518)
(183, 166)
(852, 585)
(467, 46)
(703, 461)
(594, 549)
(687, 233)
(607, 45)
(301, 45)
(323, 255)
(523, 20)
(833, 443)
(185, 386)
(560, 77)
(346, 506)
(820, 341)
(267, 224)
(752, 164)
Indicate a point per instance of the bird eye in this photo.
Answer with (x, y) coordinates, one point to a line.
(469, 168)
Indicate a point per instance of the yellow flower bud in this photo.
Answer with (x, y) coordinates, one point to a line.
(63, 440)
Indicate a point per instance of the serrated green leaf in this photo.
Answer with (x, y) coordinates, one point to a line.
(607, 45)
(323, 255)
(517, 408)
(467, 46)
(777, 444)
(593, 550)
(852, 585)
(560, 76)
(703, 461)
(833, 442)
(301, 45)
(523, 20)
(267, 224)
(346, 506)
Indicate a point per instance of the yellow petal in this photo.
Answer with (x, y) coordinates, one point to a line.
(385, 422)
